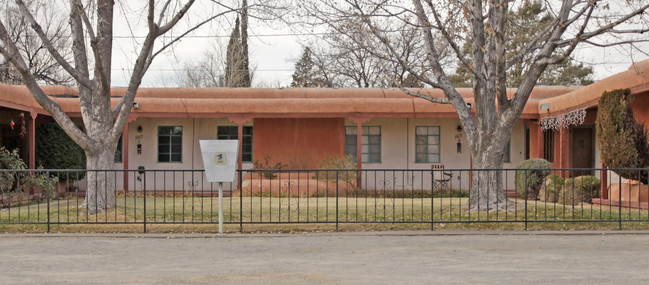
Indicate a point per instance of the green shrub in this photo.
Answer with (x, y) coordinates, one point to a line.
(340, 163)
(55, 150)
(622, 141)
(14, 183)
(267, 165)
(579, 189)
(530, 177)
(551, 188)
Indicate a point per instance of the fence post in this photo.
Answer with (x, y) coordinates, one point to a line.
(240, 201)
(526, 190)
(47, 196)
(432, 200)
(337, 200)
(619, 203)
(144, 191)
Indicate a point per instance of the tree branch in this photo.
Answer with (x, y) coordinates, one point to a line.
(94, 44)
(79, 77)
(425, 97)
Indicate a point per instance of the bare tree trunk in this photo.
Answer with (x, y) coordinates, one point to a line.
(100, 192)
(487, 191)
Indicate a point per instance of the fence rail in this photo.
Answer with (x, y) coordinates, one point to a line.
(417, 196)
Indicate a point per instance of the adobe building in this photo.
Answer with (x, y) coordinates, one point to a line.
(300, 127)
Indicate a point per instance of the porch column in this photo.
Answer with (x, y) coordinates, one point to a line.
(359, 148)
(32, 139)
(240, 138)
(539, 140)
(240, 120)
(563, 149)
(125, 150)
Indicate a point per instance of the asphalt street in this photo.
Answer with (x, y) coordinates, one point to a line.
(327, 258)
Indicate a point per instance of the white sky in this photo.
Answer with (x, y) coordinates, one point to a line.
(273, 56)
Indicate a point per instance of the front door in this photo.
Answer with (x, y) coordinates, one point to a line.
(582, 150)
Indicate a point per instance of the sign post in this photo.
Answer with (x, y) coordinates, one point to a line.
(220, 162)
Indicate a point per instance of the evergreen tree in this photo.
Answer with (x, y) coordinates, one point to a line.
(245, 64)
(305, 72)
(236, 75)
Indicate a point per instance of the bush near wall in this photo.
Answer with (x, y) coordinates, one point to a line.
(622, 140)
(581, 189)
(551, 188)
(55, 150)
(13, 184)
(530, 177)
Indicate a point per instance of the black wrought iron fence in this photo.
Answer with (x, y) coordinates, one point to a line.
(412, 196)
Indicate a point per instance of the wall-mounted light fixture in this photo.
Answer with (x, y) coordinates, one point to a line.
(459, 128)
(459, 147)
(136, 105)
(139, 129)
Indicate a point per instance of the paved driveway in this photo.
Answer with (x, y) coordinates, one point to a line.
(327, 258)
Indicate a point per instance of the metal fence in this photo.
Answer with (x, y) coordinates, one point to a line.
(417, 196)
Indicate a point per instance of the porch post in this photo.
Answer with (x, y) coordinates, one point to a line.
(539, 140)
(359, 145)
(32, 139)
(240, 138)
(240, 120)
(563, 149)
(359, 148)
(125, 150)
(125, 155)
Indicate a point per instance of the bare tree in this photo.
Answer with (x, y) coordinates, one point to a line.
(41, 64)
(484, 23)
(206, 72)
(91, 26)
(351, 59)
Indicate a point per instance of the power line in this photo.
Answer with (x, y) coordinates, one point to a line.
(227, 36)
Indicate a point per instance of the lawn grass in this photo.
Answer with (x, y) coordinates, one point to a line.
(259, 214)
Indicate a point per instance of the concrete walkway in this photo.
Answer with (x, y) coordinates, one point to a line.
(328, 258)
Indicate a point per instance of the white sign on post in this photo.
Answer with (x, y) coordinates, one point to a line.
(220, 159)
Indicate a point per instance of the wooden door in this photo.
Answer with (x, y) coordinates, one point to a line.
(582, 150)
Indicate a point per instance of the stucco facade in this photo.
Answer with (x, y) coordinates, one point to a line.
(301, 127)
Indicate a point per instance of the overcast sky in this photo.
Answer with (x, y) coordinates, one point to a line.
(273, 51)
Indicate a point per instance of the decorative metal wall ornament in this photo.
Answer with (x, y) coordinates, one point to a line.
(572, 118)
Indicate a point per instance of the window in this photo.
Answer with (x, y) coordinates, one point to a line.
(170, 143)
(232, 133)
(370, 143)
(508, 151)
(118, 151)
(427, 144)
(548, 145)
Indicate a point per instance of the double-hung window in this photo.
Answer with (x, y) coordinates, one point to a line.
(370, 143)
(427, 144)
(232, 133)
(170, 143)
